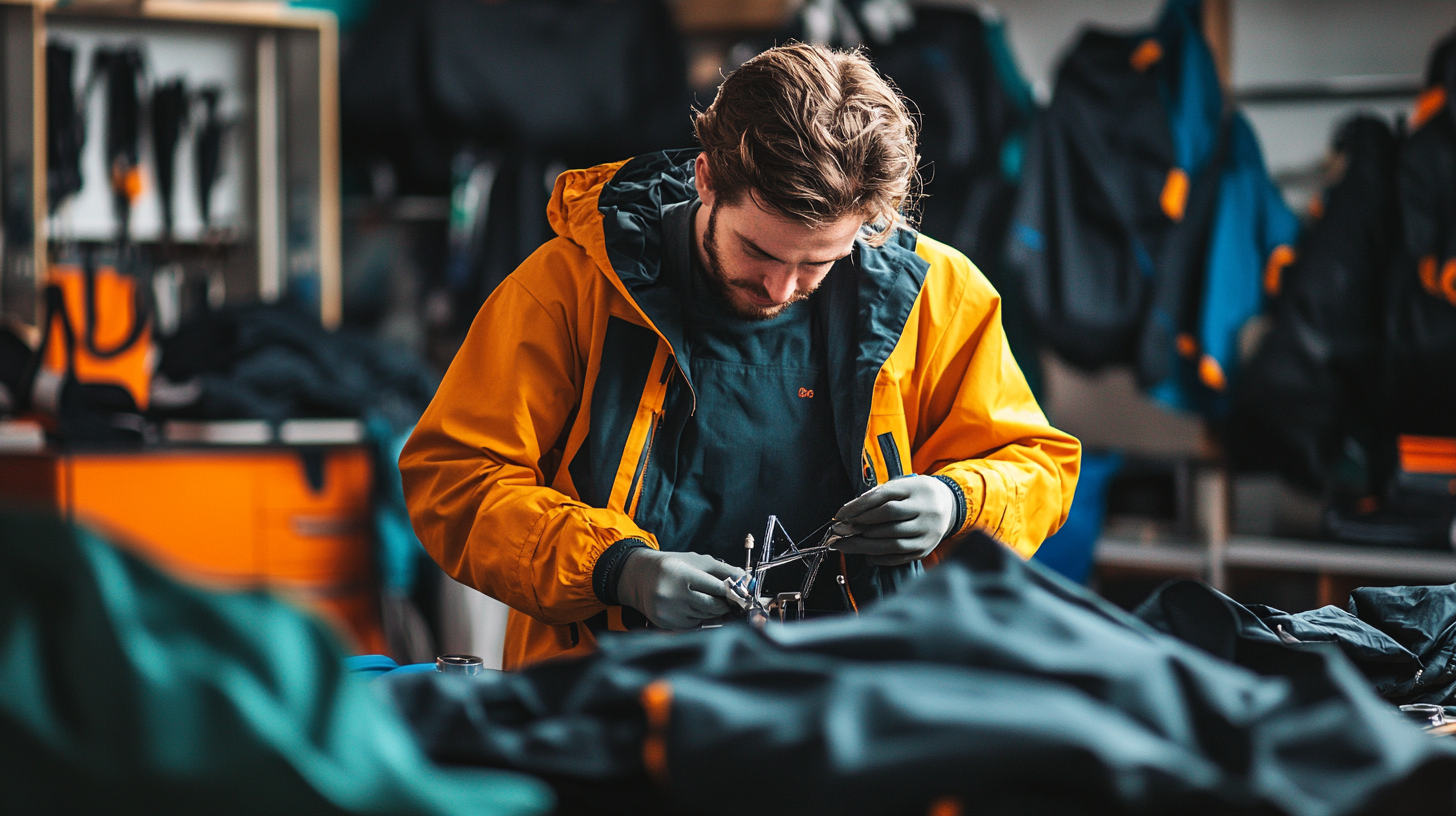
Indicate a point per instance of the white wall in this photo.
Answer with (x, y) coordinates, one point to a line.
(1275, 43)
(203, 56)
(1288, 42)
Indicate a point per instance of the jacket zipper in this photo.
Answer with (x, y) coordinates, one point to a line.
(639, 481)
(642, 468)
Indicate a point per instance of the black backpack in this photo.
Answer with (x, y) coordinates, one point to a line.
(1109, 233)
(1420, 320)
(1311, 384)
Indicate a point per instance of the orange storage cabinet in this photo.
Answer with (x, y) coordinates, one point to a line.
(294, 519)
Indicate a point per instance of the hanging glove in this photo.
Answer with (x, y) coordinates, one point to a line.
(897, 522)
(675, 590)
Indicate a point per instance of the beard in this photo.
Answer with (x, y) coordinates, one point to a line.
(727, 289)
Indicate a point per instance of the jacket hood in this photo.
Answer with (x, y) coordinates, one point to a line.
(614, 212)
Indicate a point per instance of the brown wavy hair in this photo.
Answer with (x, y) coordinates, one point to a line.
(814, 134)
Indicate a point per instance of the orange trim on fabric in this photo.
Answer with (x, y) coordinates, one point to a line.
(657, 705)
(1279, 259)
(1146, 55)
(1428, 104)
(1426, 270)
(1175, 194)
(643, 425)
(1448, 280)
(1316, 209)
(654, 757)
(1427, 454)
(1211, 373)
(1187, 346)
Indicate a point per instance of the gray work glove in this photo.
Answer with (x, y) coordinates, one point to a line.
(675, 590)
(897, 522)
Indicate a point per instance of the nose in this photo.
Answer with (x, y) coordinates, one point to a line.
(779, 288)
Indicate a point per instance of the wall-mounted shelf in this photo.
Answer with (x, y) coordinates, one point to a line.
(285, 136)
(1280, 555)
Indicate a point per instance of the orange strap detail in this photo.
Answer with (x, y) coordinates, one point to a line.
(1316, 207)
(1428, 104)
(1175, 194)
(1187, 345)
(1146, 55)
(1281, 257)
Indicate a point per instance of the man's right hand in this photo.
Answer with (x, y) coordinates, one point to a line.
(675, 590)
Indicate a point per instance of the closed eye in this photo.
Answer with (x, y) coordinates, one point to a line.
(760, 252)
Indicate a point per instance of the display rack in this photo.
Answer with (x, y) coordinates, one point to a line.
(287, 135)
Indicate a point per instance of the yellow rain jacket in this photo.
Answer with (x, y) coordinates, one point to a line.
(534, 455)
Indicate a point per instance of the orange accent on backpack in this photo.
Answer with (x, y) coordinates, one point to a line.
(1448, 280)
(1428, 104)
(1175, 194)
(1426, 269)
(1187, 345)
(1146, 55)
(1281, 257)
(1211, 373)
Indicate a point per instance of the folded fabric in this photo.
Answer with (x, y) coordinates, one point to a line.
(122, 691)
(988, 684)
(1402, 638)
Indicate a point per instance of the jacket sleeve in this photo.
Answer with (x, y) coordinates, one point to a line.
(477, 468)
(979, 424)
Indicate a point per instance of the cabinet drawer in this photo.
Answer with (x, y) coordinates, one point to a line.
(318, 480)
(322, 549)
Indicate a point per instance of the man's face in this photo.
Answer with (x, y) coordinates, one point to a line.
(760, 262)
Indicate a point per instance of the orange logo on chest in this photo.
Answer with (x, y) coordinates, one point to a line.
(806, 393)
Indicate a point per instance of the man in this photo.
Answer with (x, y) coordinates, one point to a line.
(715, 338)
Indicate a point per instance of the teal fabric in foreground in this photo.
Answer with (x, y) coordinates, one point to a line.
(122, 691)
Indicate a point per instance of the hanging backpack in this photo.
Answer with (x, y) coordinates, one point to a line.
(96, 353)
(1117, 194)
(1421, 303)
(1146, 215)
(1310, 386)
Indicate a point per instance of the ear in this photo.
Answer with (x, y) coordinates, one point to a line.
(703, 179)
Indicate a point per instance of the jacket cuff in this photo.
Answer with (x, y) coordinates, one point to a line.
(960, 499)
(608, 570)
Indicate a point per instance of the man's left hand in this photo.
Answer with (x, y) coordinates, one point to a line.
(897, 522)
